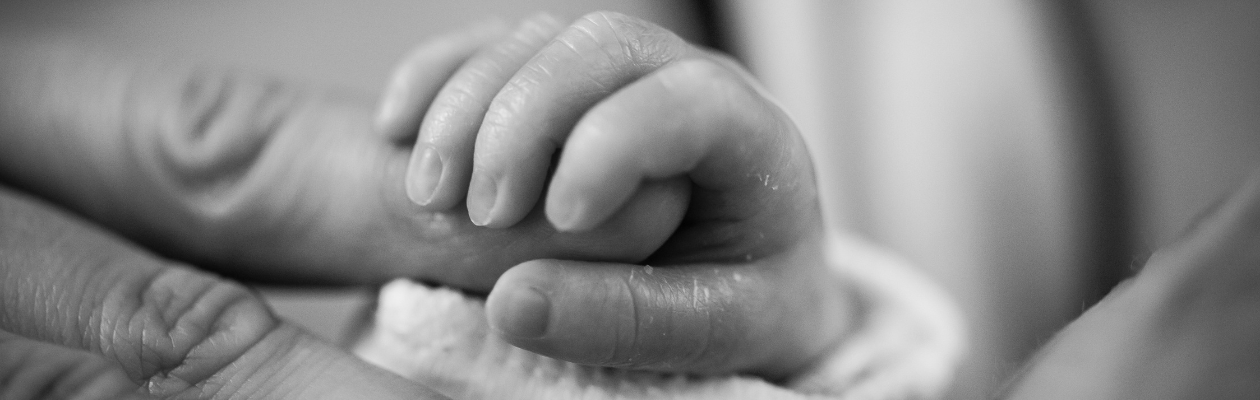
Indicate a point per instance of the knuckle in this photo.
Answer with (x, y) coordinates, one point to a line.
(624, 40)
(189, 325)
(206, 154)
(221, 125)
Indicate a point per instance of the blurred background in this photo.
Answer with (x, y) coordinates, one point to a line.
(1028, 155)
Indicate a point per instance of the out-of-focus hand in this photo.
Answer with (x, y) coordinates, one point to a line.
(1184, 328)
(619, 108)
(85, 315)
(262, 179)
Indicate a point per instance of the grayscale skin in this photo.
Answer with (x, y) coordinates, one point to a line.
(673, 157)
(1184, 328)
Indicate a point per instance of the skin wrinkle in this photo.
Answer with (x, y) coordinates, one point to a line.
(631, 44)
(270, 389)
(203, 103)
(151, 361)
(704, 349)
(213, 178)
(211, 340)
(199, 382)
(243, 302)
(183, 162)
(209, 147)
(631, 343)
(454, 101)
(634, 53)
(570, 41)
(163, 359)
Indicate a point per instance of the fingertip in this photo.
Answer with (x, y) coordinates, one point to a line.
(585, 193)
(424, 174)
(562, 309)
(482, 197)
(389, 121)
(566, 211)
(518, 310)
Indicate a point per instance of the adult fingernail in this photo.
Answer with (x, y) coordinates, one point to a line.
(526, 313)
(481, 197)
(423, 176)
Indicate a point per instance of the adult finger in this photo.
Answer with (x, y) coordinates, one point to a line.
(530, 118)
(416, 79)
(437, 176)
(171, 329)
(700, 318)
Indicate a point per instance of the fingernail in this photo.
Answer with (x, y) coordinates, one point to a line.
(527, 313)
(564, 212)
(423, 176)
(481, 197)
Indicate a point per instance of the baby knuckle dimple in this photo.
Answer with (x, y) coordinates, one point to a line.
(624, 39)
(676, 321)
(219, 128)
(206, 153)
(185, 326)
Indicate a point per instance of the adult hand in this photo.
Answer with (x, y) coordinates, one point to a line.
(739, 285)
(260, 179)
(86, 315)
(1184, 328)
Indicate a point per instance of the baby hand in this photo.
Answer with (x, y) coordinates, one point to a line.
(619, 107)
